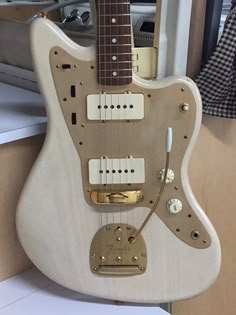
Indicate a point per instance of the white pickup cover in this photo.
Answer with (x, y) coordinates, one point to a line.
(115, 106)
(116, 171)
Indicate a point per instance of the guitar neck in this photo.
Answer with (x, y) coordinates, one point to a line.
(114, 55)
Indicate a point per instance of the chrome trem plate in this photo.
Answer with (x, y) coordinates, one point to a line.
(112, 254)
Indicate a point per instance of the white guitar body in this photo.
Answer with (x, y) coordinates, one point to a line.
(56, 225)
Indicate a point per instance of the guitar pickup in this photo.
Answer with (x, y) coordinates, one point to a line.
(126, 106)
(116, 171)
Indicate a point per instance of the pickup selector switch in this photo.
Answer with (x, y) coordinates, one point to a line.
(170, 176)
(174, 206)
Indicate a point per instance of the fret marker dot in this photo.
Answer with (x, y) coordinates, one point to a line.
(114, 58)
(114, 40)
(114, 74)
(113, 20)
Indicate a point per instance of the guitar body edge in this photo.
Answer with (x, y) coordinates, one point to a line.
(56, 225)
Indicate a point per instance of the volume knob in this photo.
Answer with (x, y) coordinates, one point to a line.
(170, 176)
(174, 206)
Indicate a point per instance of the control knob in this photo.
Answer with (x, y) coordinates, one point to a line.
(170, 176)
(174, 206)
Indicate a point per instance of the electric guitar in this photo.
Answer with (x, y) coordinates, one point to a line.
(107, 209)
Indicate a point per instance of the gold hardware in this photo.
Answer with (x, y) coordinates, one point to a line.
(118, 229)
(185, 107)
(133, 237)
(134, 57)
(135, 69)
(195, 235)
(171, 107)
(118, 239)
(127, 197)
(117, 270)
(111, 258)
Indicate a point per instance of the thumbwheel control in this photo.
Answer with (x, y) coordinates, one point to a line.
(174, 206)
(170, 176)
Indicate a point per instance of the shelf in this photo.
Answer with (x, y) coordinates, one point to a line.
(22, 114)
(32, 293)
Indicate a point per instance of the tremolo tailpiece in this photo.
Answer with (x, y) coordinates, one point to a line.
(111, 253)
(134, 236)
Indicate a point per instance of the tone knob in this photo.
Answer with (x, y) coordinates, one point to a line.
(170, 176)
(174, 206)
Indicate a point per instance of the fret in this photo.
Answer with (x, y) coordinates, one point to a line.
(115, 81)
(114, 70)
(117, 78)
(110, 54)
(115, 22)
(113, 25)
(114, 43)
(115, 67)
(108, 31)
(115, 62)
(114, 46)
(121, 35)
(109, 3)
(107, 40)
(114, 15)
(112, 10)
(114, 49)
(107, 58)
(114, 73)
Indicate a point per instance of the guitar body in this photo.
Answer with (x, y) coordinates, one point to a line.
(56, 219)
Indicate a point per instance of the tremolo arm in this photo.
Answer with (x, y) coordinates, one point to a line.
(134, 236)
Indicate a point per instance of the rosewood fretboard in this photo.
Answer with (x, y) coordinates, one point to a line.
(114, 55)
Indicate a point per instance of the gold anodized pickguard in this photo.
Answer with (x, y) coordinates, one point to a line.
(138, 138)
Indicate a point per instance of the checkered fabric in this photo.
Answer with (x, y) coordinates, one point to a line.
(217, 80)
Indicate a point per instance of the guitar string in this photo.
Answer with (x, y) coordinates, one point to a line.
(100, 104)
(104, 27)
(127, 96)
(112, 134)
(123, 136)
(107, 103)
(118, 48)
